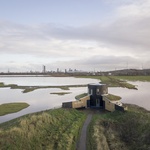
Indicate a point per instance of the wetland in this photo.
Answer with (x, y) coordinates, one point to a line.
(43, 93)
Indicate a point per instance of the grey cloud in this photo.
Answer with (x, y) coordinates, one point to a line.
(132, 34)
(128, 34)
(102, 63)
(102, 60)
(125, 32)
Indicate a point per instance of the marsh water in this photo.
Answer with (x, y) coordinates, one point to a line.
(41, 99)
(140, 97)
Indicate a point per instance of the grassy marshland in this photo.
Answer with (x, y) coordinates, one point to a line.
(27, 89)
(112, 81)
(134, 78)
(12, 108)
(53, 129)
(120, 130)
(59, 129)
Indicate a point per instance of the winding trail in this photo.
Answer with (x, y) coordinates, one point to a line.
(82, 140)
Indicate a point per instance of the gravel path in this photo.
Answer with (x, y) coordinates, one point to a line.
(82, 141)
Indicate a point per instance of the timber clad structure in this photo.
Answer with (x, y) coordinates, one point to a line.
(97, 98)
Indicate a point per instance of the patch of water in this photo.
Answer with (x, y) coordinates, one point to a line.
(140, 97)
(46, 81)
(41, 99)
(38, 100)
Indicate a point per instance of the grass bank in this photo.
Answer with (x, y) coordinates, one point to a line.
(52, 129)
(12, 108)
(120, 130)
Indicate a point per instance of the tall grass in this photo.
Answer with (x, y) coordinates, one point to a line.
(121, 131)
(54, 129)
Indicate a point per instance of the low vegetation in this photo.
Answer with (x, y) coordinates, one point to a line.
(120, 130)
(12, 108)
(61, 93)
(78, 97)
(134, 78)
(112, 97)
(52, 129)
(1, 84)
(112, 81)
(27, 89)
(60, 129)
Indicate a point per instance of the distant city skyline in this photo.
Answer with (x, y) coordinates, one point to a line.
(86, 35)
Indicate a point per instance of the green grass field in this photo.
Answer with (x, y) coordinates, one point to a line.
(12, 108)
(56, 129)
(120, 130)
(60, 129)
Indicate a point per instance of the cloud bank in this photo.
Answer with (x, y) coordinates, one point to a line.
(101, 45)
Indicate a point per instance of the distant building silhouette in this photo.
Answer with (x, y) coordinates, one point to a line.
(44, 69)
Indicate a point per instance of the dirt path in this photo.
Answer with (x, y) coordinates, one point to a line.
(82, 141)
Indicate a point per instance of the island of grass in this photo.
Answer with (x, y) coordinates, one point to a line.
(60, 93)
(9, 108)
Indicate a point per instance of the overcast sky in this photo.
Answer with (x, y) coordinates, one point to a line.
(87, 35)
